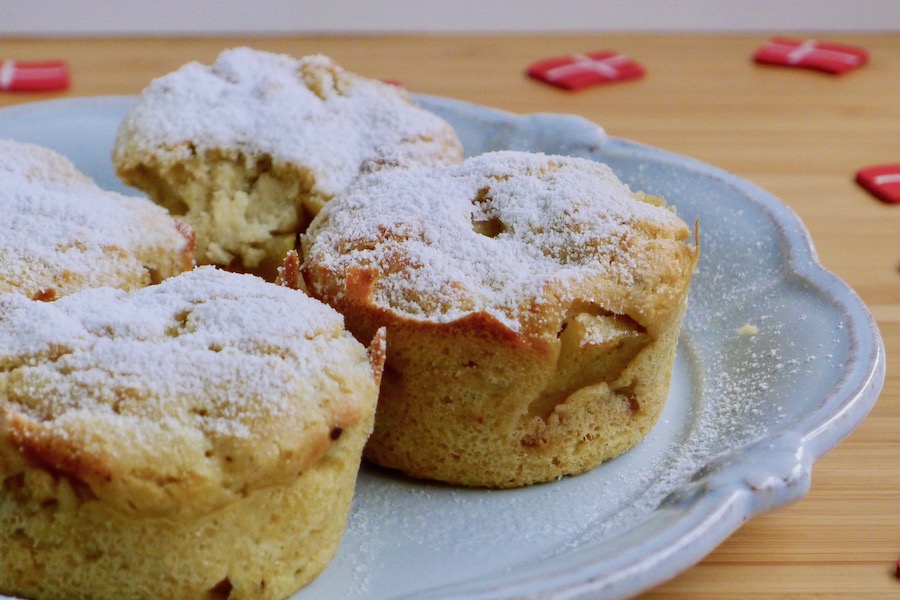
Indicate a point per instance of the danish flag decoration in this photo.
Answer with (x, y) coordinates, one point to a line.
(883, 181)
(578, 71)
(44, 76)
(810, 54)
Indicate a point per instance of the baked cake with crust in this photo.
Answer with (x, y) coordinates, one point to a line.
(532, 305)
(250, 148)
(62, 233)
(195, 439)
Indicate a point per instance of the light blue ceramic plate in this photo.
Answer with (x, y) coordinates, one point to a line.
(747, 414)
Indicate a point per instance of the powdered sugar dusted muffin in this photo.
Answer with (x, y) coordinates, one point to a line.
(532, 306)
(195, 439)
(62, 233)
(250, 148)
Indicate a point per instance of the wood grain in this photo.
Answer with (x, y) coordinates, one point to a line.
(799, 134)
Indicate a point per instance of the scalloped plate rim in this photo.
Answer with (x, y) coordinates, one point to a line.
(719, 511)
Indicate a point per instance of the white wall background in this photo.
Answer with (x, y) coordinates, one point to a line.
(209, 17)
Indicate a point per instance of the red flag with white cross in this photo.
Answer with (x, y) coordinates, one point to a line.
(577, 71)
(811, 54)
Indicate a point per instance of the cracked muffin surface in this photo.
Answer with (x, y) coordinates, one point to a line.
(250, 148)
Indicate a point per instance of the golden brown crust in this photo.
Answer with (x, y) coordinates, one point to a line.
(494, 384)
(289, 272)
(165, 414)
(378, 353)
(615, 259)
(161, 442)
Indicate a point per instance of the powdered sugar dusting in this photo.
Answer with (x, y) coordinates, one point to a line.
(307, 111)
(484, 234)
(59, 226)
(204, 356)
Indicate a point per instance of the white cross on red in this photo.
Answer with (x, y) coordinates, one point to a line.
(577, 71)
(811, 54)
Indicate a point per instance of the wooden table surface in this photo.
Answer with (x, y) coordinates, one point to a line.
(799, 134)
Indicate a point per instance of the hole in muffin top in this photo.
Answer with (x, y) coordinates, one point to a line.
(483, 222)
(490, 227)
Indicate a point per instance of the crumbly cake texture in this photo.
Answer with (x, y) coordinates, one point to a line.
(250, 148)
(532, 306)
(195, 439)
(62, 233)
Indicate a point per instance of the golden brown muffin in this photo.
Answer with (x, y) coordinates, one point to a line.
(250, 148)
(195, 439)
(62, 233)
(532, 306)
